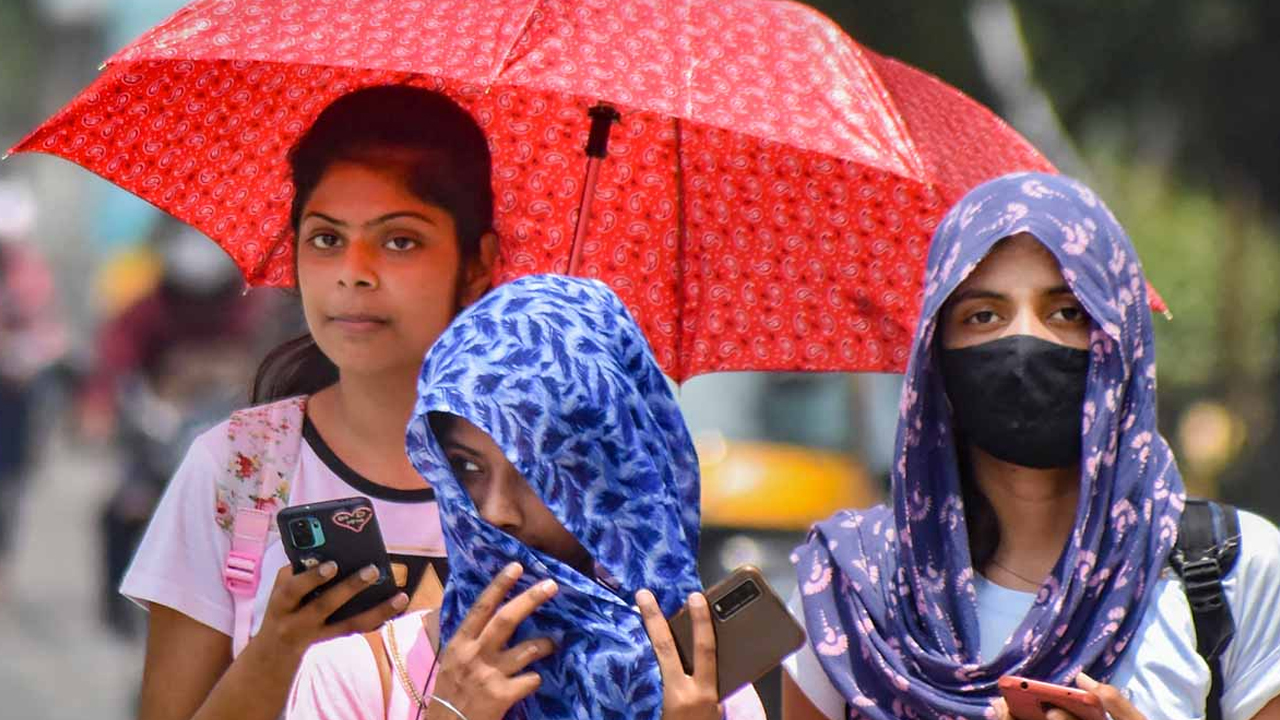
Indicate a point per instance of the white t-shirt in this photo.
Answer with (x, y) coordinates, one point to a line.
(179, 563)
(1165, 677)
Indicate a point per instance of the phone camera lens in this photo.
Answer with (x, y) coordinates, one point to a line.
(301, 534)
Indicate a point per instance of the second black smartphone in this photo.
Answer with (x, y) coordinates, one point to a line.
(345, 532)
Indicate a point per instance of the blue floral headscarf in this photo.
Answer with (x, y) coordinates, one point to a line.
(889, 595)
(556, 371)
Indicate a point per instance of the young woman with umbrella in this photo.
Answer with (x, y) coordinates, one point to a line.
(1035, 505)
(392, 215)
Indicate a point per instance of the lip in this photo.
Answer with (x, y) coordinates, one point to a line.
(359, 321)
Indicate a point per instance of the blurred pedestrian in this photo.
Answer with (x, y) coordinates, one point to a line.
(1035, 505)
(32, 339)
(168, 367)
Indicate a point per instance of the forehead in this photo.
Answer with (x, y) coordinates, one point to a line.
(1020, 262)
(352, 184)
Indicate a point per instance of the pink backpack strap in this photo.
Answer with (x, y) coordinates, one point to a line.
(265, 442)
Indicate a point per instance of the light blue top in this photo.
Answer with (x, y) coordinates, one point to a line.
(1164, 676)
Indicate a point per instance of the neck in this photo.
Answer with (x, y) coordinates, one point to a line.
(1036, 511)
(375, 409)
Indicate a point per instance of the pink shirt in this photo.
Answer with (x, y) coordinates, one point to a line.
(339, 679)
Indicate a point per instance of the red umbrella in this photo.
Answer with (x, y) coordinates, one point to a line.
(763, 188)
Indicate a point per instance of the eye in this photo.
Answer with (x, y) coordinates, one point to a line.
(324, 241)
(400, 243)
(1071, 313)
(981, 317)
(465, 469)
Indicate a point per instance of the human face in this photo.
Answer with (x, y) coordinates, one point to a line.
(1018, 289)
(503, 497)
(379, 270)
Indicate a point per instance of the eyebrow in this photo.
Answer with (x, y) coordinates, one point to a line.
(448, 444)
(983, 294)
(376, 221)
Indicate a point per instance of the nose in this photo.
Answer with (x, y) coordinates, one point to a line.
(1027, 321)
(359, 266)
(500, 507)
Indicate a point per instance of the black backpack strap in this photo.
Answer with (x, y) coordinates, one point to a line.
(1206, 551)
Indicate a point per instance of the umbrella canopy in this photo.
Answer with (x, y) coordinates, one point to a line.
(767, 189)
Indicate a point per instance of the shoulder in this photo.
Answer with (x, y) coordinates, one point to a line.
(1255, 579)
(875, 518)
(282, 415)
(1259, 545)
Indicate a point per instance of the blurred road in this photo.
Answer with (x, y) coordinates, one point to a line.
(57, 661)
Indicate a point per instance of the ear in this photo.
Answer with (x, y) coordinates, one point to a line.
(479, 274)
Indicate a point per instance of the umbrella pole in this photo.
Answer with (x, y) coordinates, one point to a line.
(603, 117)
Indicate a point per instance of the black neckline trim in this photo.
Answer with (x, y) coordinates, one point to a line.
(355, 479)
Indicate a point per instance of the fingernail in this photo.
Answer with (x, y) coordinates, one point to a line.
(643, 596)
(369, 574)
(548, 587)
(697, 600)
(513, 570)
(400, 601)
(329, 569)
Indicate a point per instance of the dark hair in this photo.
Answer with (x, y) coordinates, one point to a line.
(445, 159)
(979, 514)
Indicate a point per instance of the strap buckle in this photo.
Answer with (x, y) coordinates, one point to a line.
(1202, 579)
(240, 574)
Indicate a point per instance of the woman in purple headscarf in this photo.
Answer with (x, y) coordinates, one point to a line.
(1034, 502)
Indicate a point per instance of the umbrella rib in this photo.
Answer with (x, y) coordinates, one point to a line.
(501, 65)
(898, 119)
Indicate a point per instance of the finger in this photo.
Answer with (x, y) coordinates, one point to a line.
(369, 620)
(289, 589)
(1001, 709)
(704, 642)
(487, 604)
(1113, 701)
(664, 646)
(502, 626)
(521, 656)
(338, 595)
(522, 686)
(1058, 714)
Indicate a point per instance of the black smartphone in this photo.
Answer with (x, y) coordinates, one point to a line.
(754, 630)
(345, 532)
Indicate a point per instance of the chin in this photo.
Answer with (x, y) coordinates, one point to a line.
(359, 361)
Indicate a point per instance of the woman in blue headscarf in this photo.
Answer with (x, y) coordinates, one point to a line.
(1034, 503)
(564, 470)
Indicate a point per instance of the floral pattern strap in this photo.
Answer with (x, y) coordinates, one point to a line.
(264, 444)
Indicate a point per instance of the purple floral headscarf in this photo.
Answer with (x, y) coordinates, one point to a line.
(889, 596)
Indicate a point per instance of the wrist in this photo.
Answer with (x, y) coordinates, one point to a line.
(440, 709)
(269, 657)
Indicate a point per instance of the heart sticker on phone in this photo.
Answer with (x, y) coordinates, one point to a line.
(353, 520)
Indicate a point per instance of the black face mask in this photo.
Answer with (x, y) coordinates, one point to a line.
(1019, 399)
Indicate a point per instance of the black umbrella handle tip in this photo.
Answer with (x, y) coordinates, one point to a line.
(603, 117)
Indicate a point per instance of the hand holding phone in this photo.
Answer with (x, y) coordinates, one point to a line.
(346, 533)
(687, 693)
(754, 632)
(1031, 699)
